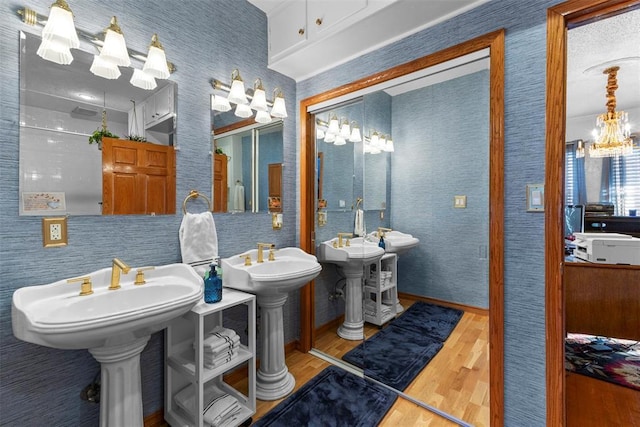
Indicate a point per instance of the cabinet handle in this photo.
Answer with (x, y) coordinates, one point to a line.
(319, 21)
(301, 31)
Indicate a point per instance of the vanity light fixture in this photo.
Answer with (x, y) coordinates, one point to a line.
(334, 125)
(278, 110)
(330, 138)
(236, 94)
(355, 132)
(59, 35)
(257, 95)
(345, 130)
(377, 143)
(612, 133)
(338, 131)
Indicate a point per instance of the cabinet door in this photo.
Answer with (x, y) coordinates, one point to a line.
(220, 184)
(158, 106)
(287, 27)
(322, 15)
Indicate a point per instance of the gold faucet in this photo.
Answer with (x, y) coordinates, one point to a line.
(140, 275)
(340, 236)
(382, 230)
(85, 287)
(117, 266)
(261, 253)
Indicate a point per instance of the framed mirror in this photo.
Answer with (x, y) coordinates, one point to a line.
(410, 188)
(247, 168)
(61, 106)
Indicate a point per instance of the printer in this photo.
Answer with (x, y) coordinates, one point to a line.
(607, 248)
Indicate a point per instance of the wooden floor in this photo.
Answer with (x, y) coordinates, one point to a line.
(456, 381)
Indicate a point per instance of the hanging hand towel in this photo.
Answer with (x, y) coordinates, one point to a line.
(238, 198)
(198, 241)
(358, 229)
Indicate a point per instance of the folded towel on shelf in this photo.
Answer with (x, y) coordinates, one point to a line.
(220, 338)
(198, 240)
(358, 229)
(217, 361)
(220, 408)
(223, 346)
(370, 308)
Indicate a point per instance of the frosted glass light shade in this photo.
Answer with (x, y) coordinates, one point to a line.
(345, 130)
(156, 63)
(334, 126)
(259, 101)
(355, 134)
(388, 147)
(263, 117)
(143, 80)
(243, 110)
(237, 95)
(339, 140)
(105, 69)
(329, 137)
(220, 103)
(115, 49)
(60, 26)
(319, 134)
(55, 51)
(279, 110)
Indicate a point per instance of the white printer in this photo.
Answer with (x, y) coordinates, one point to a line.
(607, 248)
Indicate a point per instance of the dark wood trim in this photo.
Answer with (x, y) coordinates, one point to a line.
(237, 125)
(495, 42)
(559, 18)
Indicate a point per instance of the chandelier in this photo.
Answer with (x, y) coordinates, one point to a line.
(612, 133)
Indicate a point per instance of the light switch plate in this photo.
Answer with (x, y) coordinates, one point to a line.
(54, 232)
(460, 201)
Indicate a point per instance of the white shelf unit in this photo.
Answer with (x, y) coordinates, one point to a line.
(379, 292)
(184, 361)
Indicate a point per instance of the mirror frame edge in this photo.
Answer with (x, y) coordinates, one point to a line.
(559, 18)
(495, 42)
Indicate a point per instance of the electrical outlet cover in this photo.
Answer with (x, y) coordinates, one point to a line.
(54, 232)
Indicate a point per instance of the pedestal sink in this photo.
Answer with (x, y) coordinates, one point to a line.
(114, 325)
(398, 243)
(271, 282)
(351, 261)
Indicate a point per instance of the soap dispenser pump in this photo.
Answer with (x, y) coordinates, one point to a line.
(212, 286)
(381, 242)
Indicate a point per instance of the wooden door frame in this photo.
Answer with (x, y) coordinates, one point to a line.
(495, 42)
(559, 19)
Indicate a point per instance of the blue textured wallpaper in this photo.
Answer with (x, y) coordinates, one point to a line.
(41, 386)
(525, 62)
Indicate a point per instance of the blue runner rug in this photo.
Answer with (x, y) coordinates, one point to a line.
(332, 398)
(396, 355)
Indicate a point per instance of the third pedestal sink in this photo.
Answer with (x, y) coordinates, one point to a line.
(271, 277)
(351, 255)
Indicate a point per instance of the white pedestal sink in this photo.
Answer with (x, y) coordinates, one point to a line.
(271, 281)
(398, 243)
(351, 261)
(114, 325)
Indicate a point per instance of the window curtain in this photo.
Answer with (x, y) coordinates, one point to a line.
(575, 179)
(624, 181)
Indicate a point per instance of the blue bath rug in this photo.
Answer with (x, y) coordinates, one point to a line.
(396, 355)
(333, 398)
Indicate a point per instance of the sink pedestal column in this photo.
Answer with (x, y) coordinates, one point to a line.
(353, 326)
(273, 379)
(120, 388)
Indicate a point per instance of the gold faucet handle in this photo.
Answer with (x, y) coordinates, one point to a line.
(247, 259)
(272, 255)
(335, 243)
(348, 242)
(140, 275)
(85, 287)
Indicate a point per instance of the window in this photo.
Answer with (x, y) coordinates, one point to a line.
(624, 182)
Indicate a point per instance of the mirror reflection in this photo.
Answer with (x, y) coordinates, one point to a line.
(61, 107)
(247, 169)
(440, 126)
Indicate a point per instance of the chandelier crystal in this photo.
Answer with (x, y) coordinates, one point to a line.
(612, 133)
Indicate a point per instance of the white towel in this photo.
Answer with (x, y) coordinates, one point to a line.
(198, 241)
(358, 229)
(238, 198)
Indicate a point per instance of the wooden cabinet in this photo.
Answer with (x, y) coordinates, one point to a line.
(275, 186)
(137, 178)
(184, 355)
(220, 184)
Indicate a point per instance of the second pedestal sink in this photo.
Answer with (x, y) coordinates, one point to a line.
(114, 325)
(351, 260)
(271, 281)
(395, 241)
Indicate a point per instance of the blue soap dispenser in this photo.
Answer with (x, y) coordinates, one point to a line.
(212, 286)
(381, 242)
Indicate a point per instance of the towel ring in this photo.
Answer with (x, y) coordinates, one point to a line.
(193, 194)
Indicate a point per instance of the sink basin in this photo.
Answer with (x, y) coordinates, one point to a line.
(396, 242)
(360, 252)
(291, 269)
(55, 315)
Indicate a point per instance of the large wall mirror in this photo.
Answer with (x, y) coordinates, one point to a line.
(247, 165)
(411, 189)
(592, 305)
(60, 107)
